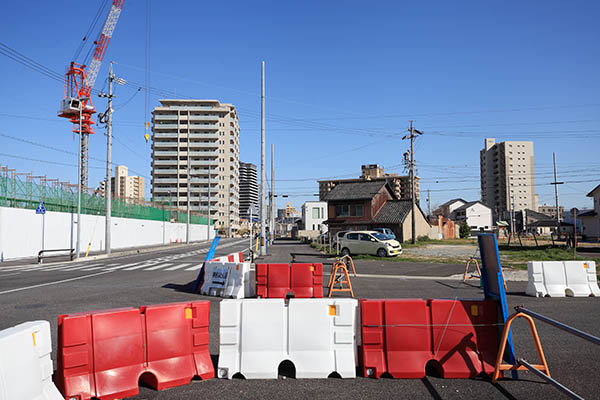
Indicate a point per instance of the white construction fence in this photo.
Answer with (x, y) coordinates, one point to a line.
(21, 232)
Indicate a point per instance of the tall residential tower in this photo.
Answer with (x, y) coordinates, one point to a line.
(507, 176)
(248, 189)
(199, 137)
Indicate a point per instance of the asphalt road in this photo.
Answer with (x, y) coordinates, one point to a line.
(32, 292)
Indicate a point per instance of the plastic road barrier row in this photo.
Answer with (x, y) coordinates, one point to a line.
(316, 335)
(277, 280)
(233, 257)
(225, 279)
(25, 363)
(401, 336)
(562, 278)
(104, 354)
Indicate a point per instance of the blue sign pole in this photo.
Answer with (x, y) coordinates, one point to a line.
(209, 256)
(493, 285)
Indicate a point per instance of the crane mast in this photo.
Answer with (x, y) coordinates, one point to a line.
(77, 104)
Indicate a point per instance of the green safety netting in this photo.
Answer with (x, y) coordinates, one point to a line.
(16, 193)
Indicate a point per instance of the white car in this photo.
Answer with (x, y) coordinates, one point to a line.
(369, 242)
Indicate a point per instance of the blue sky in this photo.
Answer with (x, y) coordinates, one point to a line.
(343, 80)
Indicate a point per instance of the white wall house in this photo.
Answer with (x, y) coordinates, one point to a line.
(591, 219)
(314, 213)
(477, 215)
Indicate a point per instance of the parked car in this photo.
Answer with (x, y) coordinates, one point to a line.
(369, 242)
(386, 231)
(337, 237)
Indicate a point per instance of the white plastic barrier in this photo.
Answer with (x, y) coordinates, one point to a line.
(25, 363)
(562, 278)
(227, 279)
(316, 335)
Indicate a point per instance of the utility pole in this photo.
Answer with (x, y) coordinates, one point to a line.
(208, 219)
(187, 222)
(413, 134)
(272, 198)
(428, 202)
(107, 188)
(556, 183)
(263, 175)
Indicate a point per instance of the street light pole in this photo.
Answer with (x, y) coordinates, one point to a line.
(263, 175)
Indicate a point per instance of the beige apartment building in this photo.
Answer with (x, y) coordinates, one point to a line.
(195, 142)
(373, 172)
(507, 176)
(123, 186)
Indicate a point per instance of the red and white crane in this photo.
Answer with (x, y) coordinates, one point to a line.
(77, 104)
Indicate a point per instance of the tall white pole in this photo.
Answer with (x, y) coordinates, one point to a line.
(107, 188)
(272, 200)
(189, 193)
(208, 213)
(263, 175)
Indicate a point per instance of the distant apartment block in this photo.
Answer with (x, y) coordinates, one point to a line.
(248, 189)
(507, 176)
(195, 142)
(373, 172)
(123, 186)
(551, 211)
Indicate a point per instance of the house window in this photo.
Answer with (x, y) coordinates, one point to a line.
(345, 210)
(316, 213)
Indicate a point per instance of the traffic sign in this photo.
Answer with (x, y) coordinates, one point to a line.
(41, 209)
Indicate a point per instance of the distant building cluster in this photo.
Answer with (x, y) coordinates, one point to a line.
(123, 186)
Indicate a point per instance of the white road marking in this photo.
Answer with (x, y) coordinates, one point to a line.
(194, 267)
(79, 267)
(94, 268)
(121, 266)
(53, 283)
(177, 267)
(3, 274)
(159, 266)
(146, 264)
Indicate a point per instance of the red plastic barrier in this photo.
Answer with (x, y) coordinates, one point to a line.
(277, 280)
(395, 337)
(104, 354)
(401, 336)
(469, 344)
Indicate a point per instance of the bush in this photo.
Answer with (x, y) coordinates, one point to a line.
(423, 238)
(465, 230)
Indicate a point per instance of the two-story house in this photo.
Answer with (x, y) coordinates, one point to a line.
(371, 204)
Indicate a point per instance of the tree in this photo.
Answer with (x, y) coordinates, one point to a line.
(465, 230)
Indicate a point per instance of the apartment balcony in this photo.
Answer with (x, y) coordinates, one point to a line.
(172, 161)
(165, 117)
(163, 153)
(164, 126)
(203, 118)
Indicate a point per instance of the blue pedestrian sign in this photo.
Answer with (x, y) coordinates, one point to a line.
(41, 209)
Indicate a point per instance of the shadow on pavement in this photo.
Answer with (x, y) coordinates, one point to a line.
(185, 288)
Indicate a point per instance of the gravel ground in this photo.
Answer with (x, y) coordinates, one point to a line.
(443, 250)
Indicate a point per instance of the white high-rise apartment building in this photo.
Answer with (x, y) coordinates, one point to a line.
(507, 176)
(202, 137)
(248, 189)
